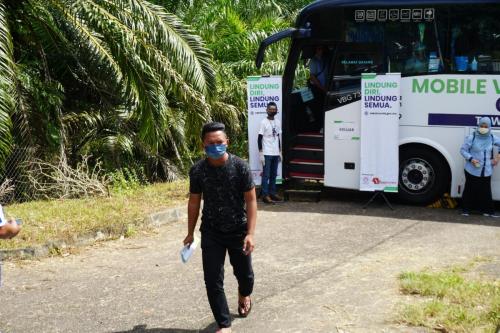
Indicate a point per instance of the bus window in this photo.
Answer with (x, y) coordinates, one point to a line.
(412, 48)
(350, 61)
(474, 39)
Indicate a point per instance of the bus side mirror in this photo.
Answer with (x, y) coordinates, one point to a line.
(291, 32)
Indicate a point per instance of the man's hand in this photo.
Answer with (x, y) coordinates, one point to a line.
(248, 244)
(9, 230)
(262, 158)
(494, 162)
(189, 239)
(281, 157)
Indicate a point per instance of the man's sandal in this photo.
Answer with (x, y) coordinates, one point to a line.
(244, 307)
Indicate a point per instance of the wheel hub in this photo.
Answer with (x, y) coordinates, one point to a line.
(417, 175)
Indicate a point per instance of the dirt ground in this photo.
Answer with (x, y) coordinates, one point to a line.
(320, 267)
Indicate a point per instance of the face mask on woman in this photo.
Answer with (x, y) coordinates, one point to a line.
(483, 130)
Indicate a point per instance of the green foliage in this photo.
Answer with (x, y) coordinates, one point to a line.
(119, 80)
(233, 30)
(7, 84)
(131, 80)
(452, 301)
(126, 179)
(130, 231)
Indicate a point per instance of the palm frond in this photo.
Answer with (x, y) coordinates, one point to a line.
(82, 120)
(7, 85)
(166, 33)
(148, 71)
(90, 41)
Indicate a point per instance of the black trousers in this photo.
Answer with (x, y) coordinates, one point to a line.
(214, 254)
(317, 107)
(477, 194)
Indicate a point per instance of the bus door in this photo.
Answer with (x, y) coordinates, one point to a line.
(343, 108)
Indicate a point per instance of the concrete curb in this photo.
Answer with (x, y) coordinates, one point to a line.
(156, 220)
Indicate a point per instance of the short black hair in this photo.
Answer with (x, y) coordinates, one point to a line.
(271, 104)
(212, 127)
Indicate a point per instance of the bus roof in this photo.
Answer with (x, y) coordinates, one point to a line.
(322, 4)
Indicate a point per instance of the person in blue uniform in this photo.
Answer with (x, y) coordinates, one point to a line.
(479, 163)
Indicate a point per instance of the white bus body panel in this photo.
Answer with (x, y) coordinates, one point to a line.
(415, 127)
(338, 152)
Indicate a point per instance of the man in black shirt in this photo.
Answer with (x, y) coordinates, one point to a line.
(225, 182)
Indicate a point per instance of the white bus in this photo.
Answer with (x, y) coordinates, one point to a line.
(448, 53)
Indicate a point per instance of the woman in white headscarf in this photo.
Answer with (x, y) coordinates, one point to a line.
(478, 153)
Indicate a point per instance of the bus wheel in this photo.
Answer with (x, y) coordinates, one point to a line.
(423, 175)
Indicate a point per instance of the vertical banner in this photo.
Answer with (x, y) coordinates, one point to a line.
(260, 91)
(380, 95)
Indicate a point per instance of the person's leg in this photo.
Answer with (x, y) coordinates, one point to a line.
(242, 269)
(213, 256)
(487, 206)
(242, 266)
(273, 174)
(467, 195)
(266, 172)
(265, 180)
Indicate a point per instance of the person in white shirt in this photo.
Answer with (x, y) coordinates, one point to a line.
(8, 228)
(269, 143)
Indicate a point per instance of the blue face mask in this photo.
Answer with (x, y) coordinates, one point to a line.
(215, 151)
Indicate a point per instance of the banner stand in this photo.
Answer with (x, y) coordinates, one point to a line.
(377, 193)
(260, 91)
(380, 107)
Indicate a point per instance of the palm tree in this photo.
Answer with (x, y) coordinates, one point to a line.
(233, 30)
(120, 75)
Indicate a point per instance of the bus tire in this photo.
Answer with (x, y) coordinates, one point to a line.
(424, 175)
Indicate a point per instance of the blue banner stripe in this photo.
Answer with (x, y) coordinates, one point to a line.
(460, 119)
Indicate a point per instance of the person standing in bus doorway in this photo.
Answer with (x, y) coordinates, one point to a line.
(478, 153)
(269, 144)
(318, 72)
(228, 221)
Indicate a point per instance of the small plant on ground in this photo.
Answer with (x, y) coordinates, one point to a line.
(127, 179)
(130, 230)
(451, 301)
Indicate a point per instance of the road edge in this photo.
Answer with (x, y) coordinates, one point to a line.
(156, 220)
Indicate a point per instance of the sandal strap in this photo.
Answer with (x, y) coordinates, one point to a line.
(246, 305)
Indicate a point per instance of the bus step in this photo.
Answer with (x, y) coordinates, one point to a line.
(301, 193)
(306, 161)
(310, 138)
(311, 134)
(303, 175)
(308, 148)
(307, 152)
(309, 166)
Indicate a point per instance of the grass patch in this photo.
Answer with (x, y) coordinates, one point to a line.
(451, 301)
(120, 214)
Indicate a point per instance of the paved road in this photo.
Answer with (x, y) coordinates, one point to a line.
(326, 267)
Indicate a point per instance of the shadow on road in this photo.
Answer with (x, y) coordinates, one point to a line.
(144, 329)
(345, 202)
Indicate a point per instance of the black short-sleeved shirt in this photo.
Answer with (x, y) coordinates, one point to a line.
(223, 190)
